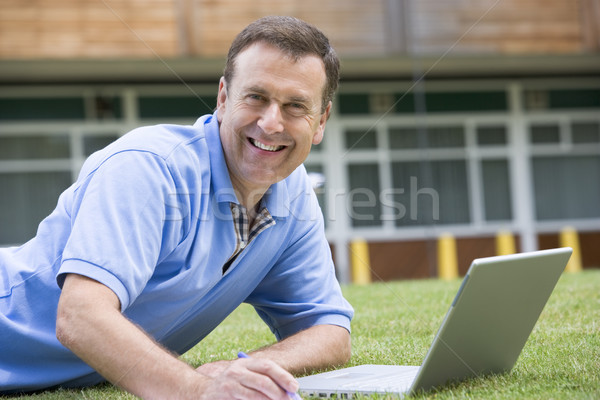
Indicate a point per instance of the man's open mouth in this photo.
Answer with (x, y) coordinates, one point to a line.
(265, 147)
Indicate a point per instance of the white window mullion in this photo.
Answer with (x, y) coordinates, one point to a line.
(474, 177)
(385, 177)
(521, 177)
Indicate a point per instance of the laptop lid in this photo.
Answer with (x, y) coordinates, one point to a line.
(492, 316)
(483, 332)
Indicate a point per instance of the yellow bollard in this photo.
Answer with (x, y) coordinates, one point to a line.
(505, 243)
(360, 261)
(447, 260)
(570, 238)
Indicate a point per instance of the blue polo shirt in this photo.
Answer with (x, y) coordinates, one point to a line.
(150, 218)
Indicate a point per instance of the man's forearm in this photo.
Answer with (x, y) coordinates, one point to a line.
(318, 347)
(90, 324)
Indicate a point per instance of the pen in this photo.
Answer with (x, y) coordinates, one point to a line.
(293, 396)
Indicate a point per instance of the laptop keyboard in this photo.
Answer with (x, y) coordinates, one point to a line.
(396, 381)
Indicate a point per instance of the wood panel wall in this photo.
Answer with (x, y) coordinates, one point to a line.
(502, 26)
(87, 28)
(353, 26)
(168, 28)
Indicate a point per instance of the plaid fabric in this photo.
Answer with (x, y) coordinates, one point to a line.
(243, 231)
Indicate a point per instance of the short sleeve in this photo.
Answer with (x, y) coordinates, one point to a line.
(301, 290)
(119, 223)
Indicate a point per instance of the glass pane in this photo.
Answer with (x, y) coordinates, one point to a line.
(361, 139)
(26, 199)
(466, 101)
(491, 135)
(496, 190)
(95, 143)
(363, 200)
(353, 103)
(175, 107)
(404, 103)
(52, 108)
(585, 132)
(432, 137)
(431, 192)
(567, 187)
(549, 133)
(107, 108)
(575, 98)
(441, 137)
(30, 147)
(403, 138)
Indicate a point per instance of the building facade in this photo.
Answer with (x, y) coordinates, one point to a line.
(461, 117)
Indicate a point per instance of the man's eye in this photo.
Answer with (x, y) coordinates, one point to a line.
(255, 97)
(296, 108)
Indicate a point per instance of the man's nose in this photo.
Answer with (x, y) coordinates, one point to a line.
(271, 120)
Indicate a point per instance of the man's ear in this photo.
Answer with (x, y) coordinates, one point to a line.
(221, 98)
(318, 137)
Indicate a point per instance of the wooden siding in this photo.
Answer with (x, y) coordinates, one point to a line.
(87, 28)
(500, 26)
(354, 27)
(205, 28)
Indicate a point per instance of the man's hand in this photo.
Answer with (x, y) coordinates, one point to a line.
(247, 379)
(215, 368)
(317, 347)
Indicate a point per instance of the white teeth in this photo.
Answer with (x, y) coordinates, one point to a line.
(263, 146)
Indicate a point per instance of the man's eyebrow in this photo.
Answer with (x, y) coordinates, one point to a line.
(256, 89)
(292, 99)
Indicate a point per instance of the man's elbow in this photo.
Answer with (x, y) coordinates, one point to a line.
(346, 347)
(82, 305)
(66, 327)
(340, 345)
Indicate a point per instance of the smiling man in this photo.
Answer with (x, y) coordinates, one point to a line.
(170, 228)
(271, 112)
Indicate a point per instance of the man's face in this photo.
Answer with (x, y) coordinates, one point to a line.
(270, 116)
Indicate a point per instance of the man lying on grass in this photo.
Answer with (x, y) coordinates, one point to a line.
(170, 228)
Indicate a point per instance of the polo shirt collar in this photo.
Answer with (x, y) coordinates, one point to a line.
(276, 199)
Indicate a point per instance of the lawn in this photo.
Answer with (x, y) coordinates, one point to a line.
(395, 323)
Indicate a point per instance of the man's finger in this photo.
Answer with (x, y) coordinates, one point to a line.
(269, 378)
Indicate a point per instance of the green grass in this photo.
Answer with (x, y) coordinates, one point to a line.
(395, 323)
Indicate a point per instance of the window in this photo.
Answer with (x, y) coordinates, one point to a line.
(357, 139)
(496, 190)
(566, 187)
(544, 133)
(431, 192)
(491, 135)
(402, 102)
(364, 207)
(585, 132)
(42, 108)
(558, 99)
(176, 106)
(28, 147)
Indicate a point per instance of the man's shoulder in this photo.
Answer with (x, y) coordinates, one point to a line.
(179, 146)
(161, 140)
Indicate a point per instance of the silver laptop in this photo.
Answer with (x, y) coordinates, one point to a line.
(484, 331)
